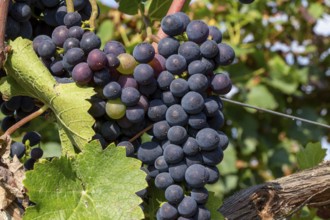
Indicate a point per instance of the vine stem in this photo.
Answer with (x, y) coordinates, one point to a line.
(275, 113)
(26, 119)
(69, 6)
(4, 4)
(141, 133)
(93, 15)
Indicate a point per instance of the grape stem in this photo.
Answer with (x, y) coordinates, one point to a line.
(26, 119)
(141, 133)
(93, 15)
(69, 6)
(4, 4)
(275, 113)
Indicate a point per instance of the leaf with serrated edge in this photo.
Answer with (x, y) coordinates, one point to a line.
(69, 102)
(311, 155)
(98, 184)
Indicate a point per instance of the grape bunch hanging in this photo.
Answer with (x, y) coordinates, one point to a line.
(173, 90)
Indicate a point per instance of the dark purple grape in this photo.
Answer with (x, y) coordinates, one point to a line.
(196, 66)
(26, 30)
(18, 149)
(213, 174)
(184, 18)
(13, 103)
(130, 96)
(169, 99)
(187, 207)
(216, 121)
(13, 28)
(20, 11)
(148, 152)
(176, 64)
(79, 4)
(72, 19)
(112, 90)
(160, 164)
(97, 59)
(7, 122)
(215, 34)
(172, 25)
(200, 195)
(164, 80)
(209, 64)
(97, 109)
(192, 102)
(196, 176)
(50, 16)
(38, 40)
(89, 41)
(157, 110)
(177, 171)
(82, 74)
(168, 46)
(59, 15)
(70, 43)
(135, 114)
(33, 137)
(190, 51)
(225, 56)
(223, 143)
(59, 35)
(114, 47)
(197, 31)
(36, 153)
(143, 52)
(174, 194)
(129, 148)
(113, 61)
(46, 49)
(214, 157)
(124, 123)
(143, 74)
(167, 211)
(210, 107)
(73, 56)
(198, 82)
(221, 84)
(29, 164)
(127, 81)
(163, 180)
(57, 68)
(149, 89)
(110, 130)
(101, 77)
(209, 49)
(207, 139)
(197, 121)
(179, 87)
(76, 32)
(27, 104)
(190, 147)
(175, 115)
(173, 154)
(160, 130)
(177, 134)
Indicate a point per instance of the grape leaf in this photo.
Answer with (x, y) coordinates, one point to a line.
(260, 96)
(97, 184)
(155, 198)
(26, 75)
(158, 8)
(311, 155)
(213, 204)
(129, 6)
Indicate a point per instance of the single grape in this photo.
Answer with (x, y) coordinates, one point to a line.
(149, 89)
(81, 73)
(179, 87)
(203, 214)
(127, 81)
(172, 25)
(59, 35)
(169, 99)
(110, 130)
(187, 207)
(13, 28)
(130, 96)
(213, 174)
(98, 107)
(196, 66)
(216, 121)
(114, 47)
(50, 16)
(72, 19)
(70, 43)
(143, 74)
(176, 64)
(209, 65)
(224, 141)
(135, 114)
(207, 139)
(33, 137)
(20, 11)
(26, 30)
(192, 102)
(46, 49)
(14, 103)
(115, 108)
(164, 80)
(177, 171)
(148, 152)
(89, 41)
(163, 180)
(173, 154)
(157, 110)
(200, 195)
(73, 56)
(196, 175)
(168, 46)
(197, 31)
(129, 148)
(59, 15)
(190, 147)
(38, 40)
(18, 149)
(152, 172)
(221, 84)
(175, 115)
(79, 4)
(27, 104)
(127, 63)
(160, 164)
(174, 194)
(160, 129)
(209, 49)
(113, 61)
(143, 52)
(101, 77)
(158, 64)
(197, 121)
(7, 122)
(167, 211)
(76, 32)
(36, 153)
(210, 107)
(194, 159)
(190, 51)
(184, 18)
(5, 110)
(97, 59)
(215, 34)
(112, 90)
(225, 56)
(198, 82)
(29, 164)
(124, 123)
(213, 157)
(177, 134)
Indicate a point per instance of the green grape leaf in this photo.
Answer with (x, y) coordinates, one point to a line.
(130, 7)
(105, 32)
(213, 204)
(26, 75)
(260, 96)
(155, 198)
(97, 184)
(311, 155)
(158, 8)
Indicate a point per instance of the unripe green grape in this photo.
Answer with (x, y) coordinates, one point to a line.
(127, 64)
(115, 109)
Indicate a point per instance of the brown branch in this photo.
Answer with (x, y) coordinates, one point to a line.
(3, 20)
(282, 197)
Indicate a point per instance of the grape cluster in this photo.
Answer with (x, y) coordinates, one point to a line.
(31, 142)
